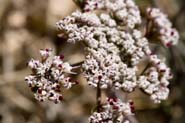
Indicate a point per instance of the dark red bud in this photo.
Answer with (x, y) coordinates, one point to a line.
(58, 86)
(152, 53)
(115, 99)
(61, 56)
(60, 65)
(131, 102)
(47, 50)
(51, 94)
(132, 109)
(111, 103)
(172, 33)
(39, 91)
(169, 44)
(99, 77)
(60, 98)
(87, 10)
(70, 80)
(115, 107)
(163, 70)
(96, 4)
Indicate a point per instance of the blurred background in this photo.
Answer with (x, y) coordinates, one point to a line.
(29, 25)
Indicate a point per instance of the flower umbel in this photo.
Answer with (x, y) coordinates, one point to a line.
(163, 27)
(125, 11)
(48, 76)
(114, 111)
(116, 44)
(115, 47)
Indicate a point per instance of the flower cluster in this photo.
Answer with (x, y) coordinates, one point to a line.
(156, 80)
(125, 11)
(134, 47)
(161, 24)
(114, 48)
(73, 26)
(112, 53)
(48, 76)
(90, 5)
(114, 111)
(104, 66)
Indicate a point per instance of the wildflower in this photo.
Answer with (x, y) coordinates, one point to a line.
(163, 27)
(113, 53)
(156, 80)
(125, 11)
(114, 110)
(48, 76)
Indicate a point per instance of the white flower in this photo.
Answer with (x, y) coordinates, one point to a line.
(107, 20)
(45, 53)
(33, 64)
(143, 82)
(162, 94)
(88, 18)
(129, 85)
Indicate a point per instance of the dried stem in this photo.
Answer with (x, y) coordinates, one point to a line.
(77, 64)
(146, 28)
(98, 97)
(147, 66)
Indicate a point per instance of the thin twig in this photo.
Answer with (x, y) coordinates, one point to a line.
(147, 28)
(98, 97)
(77, 64)
(147, 66)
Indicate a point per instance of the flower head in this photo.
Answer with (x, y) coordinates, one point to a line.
(114, 47)
(156, 80)
(48, 76)
(113, 111)
(163, 27)
(125, 11)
